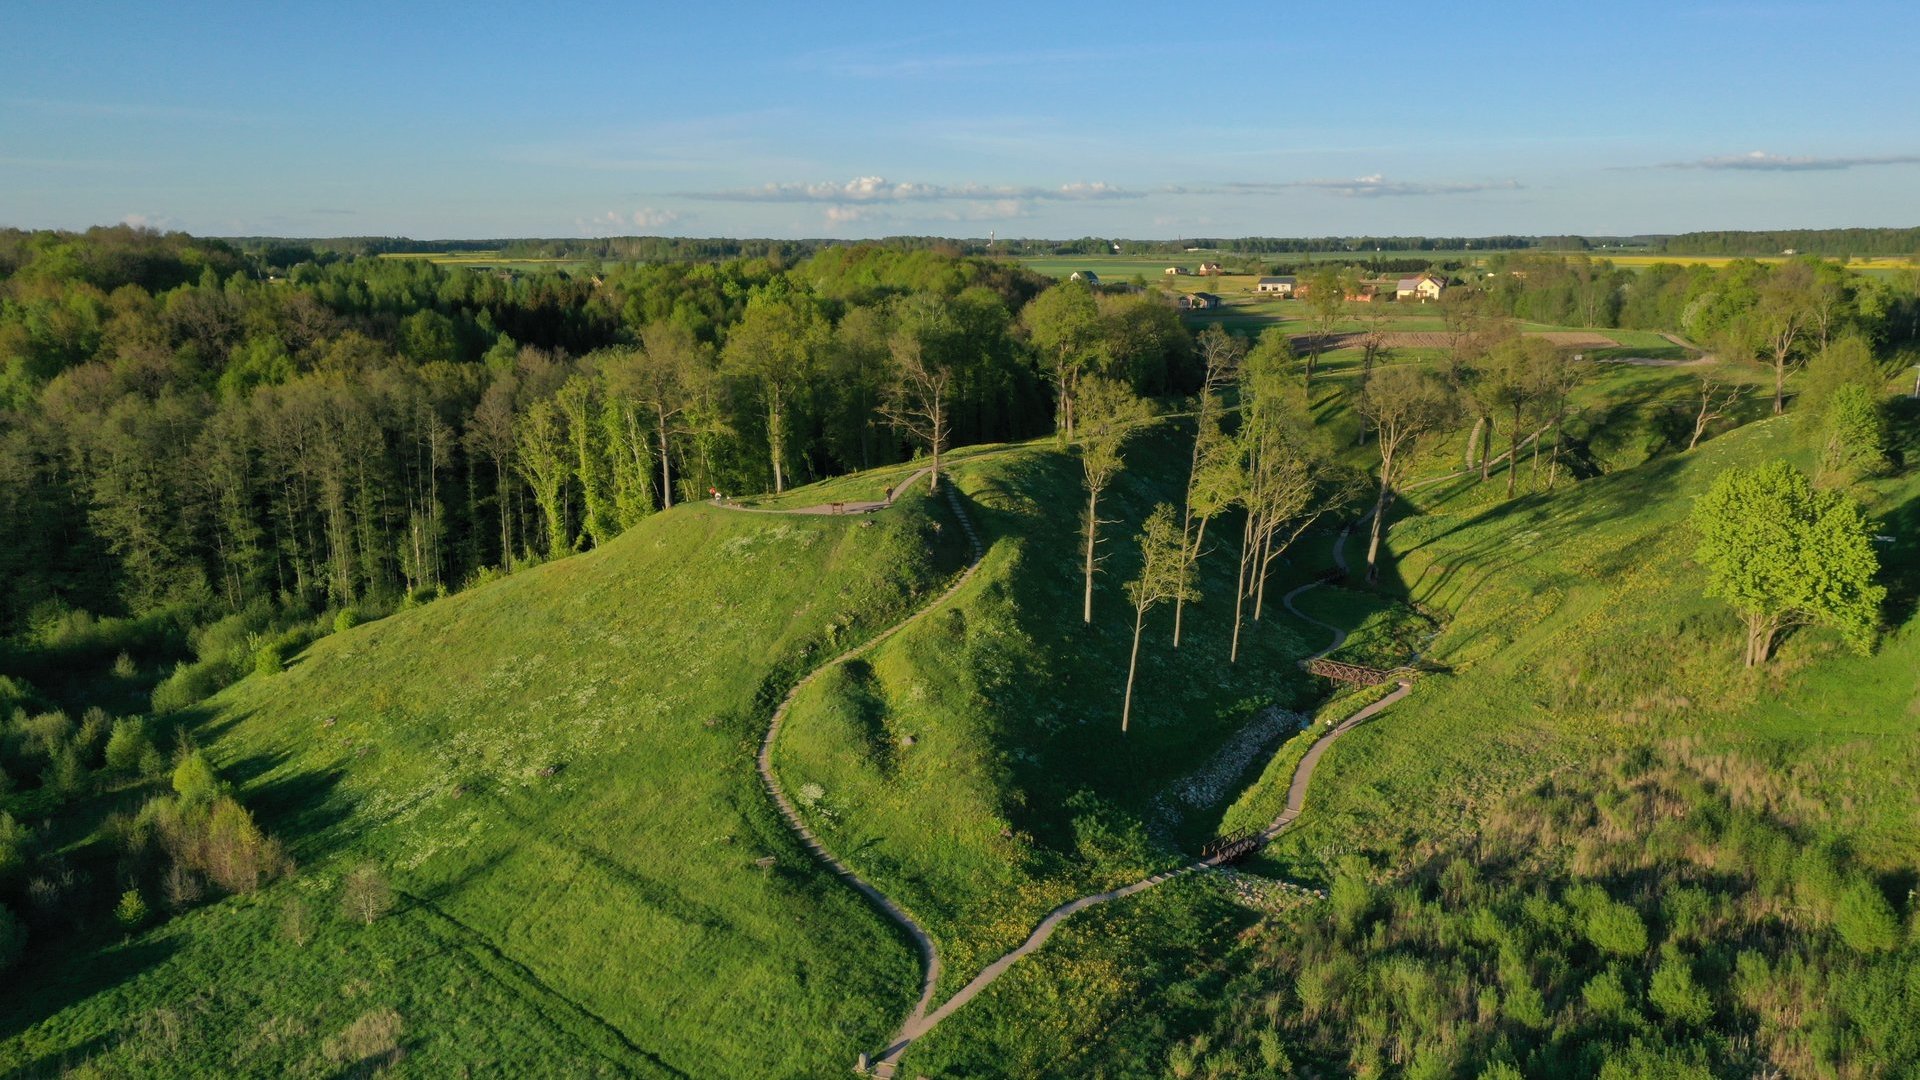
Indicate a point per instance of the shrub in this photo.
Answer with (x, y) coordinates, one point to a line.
(131, 912)
(1865, 920)
(66, 775)
(194, 779)
(345, 619)
(191, 683)
(364, 894)
(127, 745)
(13, 847)
(296, 922)
(369, 1043)
(1677, 996)
(1853, 436)
(1350, 894)
(1606, 994)
(235, 854)
(93, 732)
(123, 667)
(1616, 928)
(269, 659)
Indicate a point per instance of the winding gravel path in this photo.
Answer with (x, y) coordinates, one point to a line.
(886, 1063)
(929, 955)
(924, 1018)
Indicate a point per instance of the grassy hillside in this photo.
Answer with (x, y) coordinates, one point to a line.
(974, 766)
(1574, 638)
(555, 773)
(1577, 624)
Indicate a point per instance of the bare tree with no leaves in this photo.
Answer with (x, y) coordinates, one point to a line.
(916, 400)
(1716, 398)
(364, 894)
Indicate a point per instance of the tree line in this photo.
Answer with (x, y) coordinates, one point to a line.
(1804, 241)
(364, 430)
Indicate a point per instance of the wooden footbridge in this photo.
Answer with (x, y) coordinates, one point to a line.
(1348, 673)
(1231, 848)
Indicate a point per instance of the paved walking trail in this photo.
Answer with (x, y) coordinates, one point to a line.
(929, 956)
(885, 1064)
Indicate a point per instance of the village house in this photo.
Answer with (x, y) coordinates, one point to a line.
(1087, 276)
(1276, 286)
(1178, 270)
(1210, 269)
(1421, 287)
(1364, 294)
(1200, 301)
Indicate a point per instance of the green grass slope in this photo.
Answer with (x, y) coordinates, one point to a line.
(973, 767)
(1577, 624)
(556, 772)
(1573, 632)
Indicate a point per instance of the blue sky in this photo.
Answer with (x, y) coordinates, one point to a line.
(1037, 119)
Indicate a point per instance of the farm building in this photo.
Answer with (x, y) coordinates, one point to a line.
(1178, 270)
(1421, 287)
(1364, 294)
(1200, 301)
(1087, 276)
(1276, 286)
(1210, 269)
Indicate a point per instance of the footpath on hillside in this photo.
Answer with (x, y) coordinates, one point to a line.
(923, 1018)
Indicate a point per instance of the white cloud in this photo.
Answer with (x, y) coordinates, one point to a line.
(1762, 161)
(875, 189)
(622, 223)
(1374, 186)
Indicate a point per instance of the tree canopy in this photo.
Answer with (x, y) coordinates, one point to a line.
(1784, 553)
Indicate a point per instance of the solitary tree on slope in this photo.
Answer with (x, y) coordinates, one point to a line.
(1785, 553)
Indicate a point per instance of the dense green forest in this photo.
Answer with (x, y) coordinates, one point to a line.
(1905, 242)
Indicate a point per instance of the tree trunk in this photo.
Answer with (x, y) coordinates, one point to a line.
(1513, 452)
(1260, 568)
(1093, 523)
(1180, 600)
(1133, 664)
(1779, 384)
(666, 464)
(1240, 587)
(1379, 517)
(776, 439)
(939, 418)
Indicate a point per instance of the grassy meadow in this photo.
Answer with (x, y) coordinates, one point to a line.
(555, 771)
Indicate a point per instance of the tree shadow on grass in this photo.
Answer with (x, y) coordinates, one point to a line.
(1900, 561)
(54, 980)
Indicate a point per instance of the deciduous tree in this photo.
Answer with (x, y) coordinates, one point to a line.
(1403, 404)
(1784, 553)
(1165, 574)
(1110, 413)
